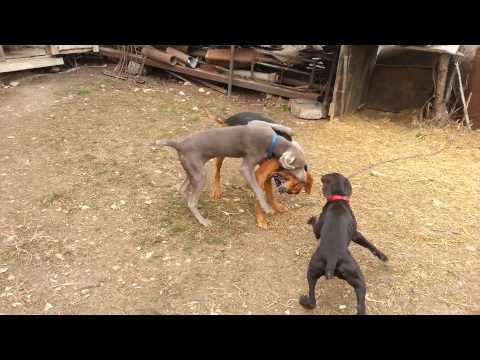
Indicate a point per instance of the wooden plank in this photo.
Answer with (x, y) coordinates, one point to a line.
(244, 83)
(73, 49)
(337, 92)
(25, 64)
(26, 53)
(53, 49)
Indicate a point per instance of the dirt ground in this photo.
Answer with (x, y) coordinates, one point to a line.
(91, 221)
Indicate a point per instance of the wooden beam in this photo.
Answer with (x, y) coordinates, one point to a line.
(26, 64)
(426, 49)
(243, 83)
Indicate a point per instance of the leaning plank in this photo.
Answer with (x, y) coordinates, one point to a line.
(244, 83)
(25, 64)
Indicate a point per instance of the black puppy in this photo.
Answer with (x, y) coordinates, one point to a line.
(334, 229)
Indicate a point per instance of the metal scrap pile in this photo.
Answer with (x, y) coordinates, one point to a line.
(291, 71)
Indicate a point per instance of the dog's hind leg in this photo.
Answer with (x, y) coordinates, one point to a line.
(185, 189)
(351, 273)
(216, 187)
(313, 274)
(360, 240)
(186, 186)
(197, 183)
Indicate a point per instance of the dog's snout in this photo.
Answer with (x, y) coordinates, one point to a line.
(301, 175)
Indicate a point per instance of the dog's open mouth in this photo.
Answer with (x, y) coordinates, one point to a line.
(279, 183)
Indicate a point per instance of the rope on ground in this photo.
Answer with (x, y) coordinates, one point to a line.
(447, 143)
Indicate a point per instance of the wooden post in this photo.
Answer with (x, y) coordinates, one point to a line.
(439, 103)
(2, 54)
(344, 86)
(333, 71)
(449, 88)
(230, 73)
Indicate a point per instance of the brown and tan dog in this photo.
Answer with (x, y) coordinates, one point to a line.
(264, 173)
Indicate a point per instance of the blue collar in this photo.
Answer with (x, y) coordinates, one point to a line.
(271, 148)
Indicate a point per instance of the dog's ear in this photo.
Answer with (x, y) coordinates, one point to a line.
(287, 159)
(297, 145)
(309, 183)
(347, 186)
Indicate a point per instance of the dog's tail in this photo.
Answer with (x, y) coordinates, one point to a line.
(217, 119)
(330, 267)
(170, 143)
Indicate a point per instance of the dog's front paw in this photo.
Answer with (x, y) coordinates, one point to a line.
(305, 302)
(215, 194)
(262, 223)
(280, 207)
(206, 223)
(362, 311)
(267, 209)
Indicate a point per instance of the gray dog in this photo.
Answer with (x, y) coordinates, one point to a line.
(250, 142)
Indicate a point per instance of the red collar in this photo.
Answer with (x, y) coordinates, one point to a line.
(338, 198)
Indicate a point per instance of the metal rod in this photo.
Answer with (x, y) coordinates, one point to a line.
(214, 87)
(178, 76)
(284, 68)
(211, 86)
(465, 110)
(230, 74)
(139, 78)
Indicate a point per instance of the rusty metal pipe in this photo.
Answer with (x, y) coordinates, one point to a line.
(184, 58)
(243, 57)
(158, 55)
